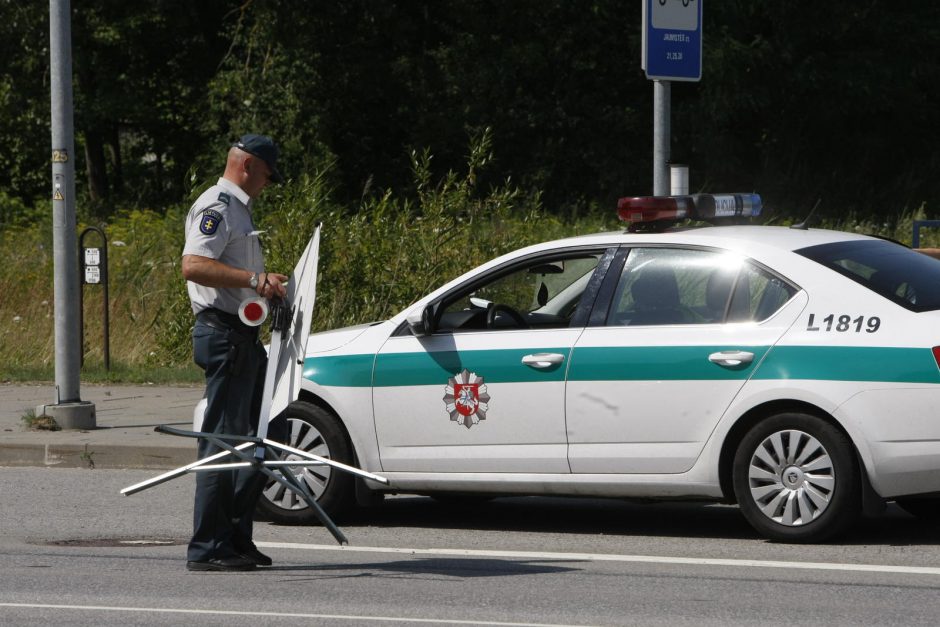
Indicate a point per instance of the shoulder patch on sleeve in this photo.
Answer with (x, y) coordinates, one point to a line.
(210, 221)
(224, 198)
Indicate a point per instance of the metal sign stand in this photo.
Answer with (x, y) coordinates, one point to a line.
(253, 451)
(93, 264)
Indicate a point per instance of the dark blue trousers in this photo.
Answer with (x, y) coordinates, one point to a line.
(234, 363)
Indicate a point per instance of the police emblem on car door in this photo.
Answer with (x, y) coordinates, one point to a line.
(465, 398)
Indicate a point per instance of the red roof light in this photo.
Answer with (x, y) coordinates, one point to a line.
(657, 212)
(654, 208)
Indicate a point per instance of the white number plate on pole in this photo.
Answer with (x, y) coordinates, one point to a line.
(92, 274)
(92, 256)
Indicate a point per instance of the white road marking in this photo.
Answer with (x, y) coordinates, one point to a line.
(607, 557)
(166, 610)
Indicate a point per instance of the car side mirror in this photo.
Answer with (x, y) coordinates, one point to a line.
(422, 323)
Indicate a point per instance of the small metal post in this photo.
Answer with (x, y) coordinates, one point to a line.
(918, 225)
(678, 179)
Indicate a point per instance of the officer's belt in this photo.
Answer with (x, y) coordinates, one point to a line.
(224, 321)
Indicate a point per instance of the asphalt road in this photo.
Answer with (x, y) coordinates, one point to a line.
(74, 551)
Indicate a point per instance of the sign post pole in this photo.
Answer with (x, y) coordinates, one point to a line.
(68, 411)
(662, 103)
(672, 51)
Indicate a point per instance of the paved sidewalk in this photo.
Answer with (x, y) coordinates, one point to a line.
(124, 438)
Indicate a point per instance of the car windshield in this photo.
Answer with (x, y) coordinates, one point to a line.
(901, 275)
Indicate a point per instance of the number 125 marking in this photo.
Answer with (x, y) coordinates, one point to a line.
(844, 323)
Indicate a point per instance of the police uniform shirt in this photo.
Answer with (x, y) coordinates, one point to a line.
(219, 226)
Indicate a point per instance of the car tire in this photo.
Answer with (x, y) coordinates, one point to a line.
(315, 430)
(925, 508)
(796, 479)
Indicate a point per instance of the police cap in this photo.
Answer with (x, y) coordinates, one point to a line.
(264, 148)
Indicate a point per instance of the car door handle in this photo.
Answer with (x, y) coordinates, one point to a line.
(731, 359)
(543, 360)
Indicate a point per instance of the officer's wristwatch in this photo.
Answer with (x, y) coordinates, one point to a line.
(253, 281)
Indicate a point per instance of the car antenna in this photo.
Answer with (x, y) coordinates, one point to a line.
(804, 225)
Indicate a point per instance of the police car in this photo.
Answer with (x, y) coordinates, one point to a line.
(792, 371)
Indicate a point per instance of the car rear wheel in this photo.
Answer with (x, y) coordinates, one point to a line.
(315, 430)
(796, 479)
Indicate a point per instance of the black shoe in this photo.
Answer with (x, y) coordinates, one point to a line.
(253, 555)
(227, 564)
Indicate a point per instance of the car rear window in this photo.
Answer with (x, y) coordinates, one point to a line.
(901, 275)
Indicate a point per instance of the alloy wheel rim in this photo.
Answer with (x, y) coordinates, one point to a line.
(304, 436)
(791, 478)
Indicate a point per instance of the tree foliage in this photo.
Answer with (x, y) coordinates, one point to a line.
(799, 100)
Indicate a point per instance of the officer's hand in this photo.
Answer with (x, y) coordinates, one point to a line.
(271, 284)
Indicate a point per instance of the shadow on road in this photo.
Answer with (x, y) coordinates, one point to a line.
(616, 517)
(461, 568)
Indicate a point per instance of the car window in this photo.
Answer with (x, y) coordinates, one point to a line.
(901, 275)
(688, 286)
(758, 295)
(541, 293)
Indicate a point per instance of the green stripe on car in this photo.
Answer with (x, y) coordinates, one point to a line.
(340, 370)
(402, 369)
(495, 366)
(635, 363)
(656, 363)
(851, 363)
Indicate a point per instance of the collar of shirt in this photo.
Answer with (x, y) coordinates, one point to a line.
(236, 191)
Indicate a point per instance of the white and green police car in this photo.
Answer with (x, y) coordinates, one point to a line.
(793, 371)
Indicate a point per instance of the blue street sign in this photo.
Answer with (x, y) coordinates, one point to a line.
(672, 39)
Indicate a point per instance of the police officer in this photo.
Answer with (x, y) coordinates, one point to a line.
(223, 265)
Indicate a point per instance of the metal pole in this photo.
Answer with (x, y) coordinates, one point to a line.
(69, 411)
(661, 137)
(105, 277)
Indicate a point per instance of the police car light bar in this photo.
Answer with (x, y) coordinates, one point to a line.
(663, 211)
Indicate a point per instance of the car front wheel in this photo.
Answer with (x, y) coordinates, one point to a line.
(796, 479)
(312, 429)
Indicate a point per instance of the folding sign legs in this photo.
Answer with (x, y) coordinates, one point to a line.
(252, 453)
